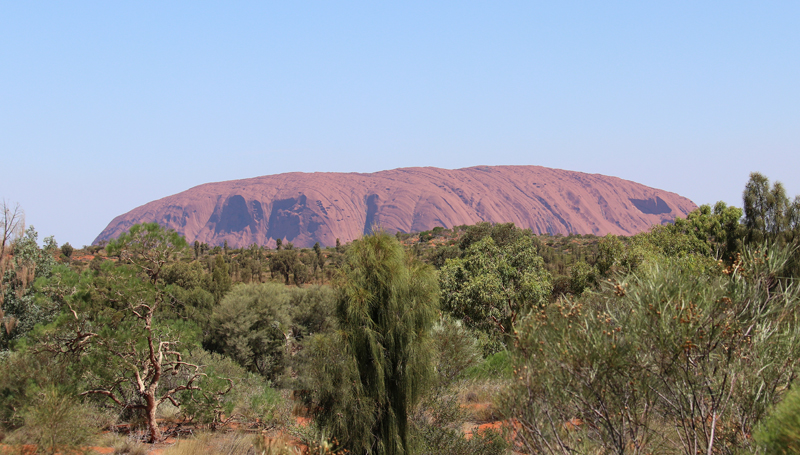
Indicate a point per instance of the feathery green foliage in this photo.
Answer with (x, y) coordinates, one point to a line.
(56, 422)
(779, 432)
(387, 303)
(149, 247)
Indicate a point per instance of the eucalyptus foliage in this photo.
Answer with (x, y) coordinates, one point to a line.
(494, 283)
(21, 306)
(258, 324)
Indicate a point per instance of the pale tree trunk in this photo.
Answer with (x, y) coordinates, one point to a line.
(152, 424)
(156, 358)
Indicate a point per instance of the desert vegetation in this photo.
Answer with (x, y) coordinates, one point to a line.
(482, 339)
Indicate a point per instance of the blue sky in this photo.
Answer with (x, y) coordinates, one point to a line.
(105, 106)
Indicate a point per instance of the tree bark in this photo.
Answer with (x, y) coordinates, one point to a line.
(152, 424)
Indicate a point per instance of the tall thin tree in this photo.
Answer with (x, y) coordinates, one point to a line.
(387, 303)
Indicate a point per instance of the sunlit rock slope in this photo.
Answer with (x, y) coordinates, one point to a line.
(304, 208)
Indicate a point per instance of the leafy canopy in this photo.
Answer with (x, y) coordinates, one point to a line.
(492, 284)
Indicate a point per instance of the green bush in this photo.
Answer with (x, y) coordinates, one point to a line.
(56, 423)
(497, 366)
(23, 374)
(457, 349)
(250, 399)
(387, 303)
(257, 325)
(249, 325)
(779, 433)
(437, 427)
(494, 283)
(668, 360)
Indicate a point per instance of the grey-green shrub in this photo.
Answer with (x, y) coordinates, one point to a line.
(672, 359)
(56, 423)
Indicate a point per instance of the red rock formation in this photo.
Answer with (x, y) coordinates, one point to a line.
(321, 207)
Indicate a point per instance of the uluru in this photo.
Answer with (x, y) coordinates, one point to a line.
(304, 208)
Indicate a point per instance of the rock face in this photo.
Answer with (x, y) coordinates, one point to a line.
(321, 207)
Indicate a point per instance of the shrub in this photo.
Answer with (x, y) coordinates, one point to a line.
(438, 428)
(250, 399)
(667, 360)
(23, 375)
(497, 366)
(457, 349)
(131, 446)
(779, 433)
(56, 422)
(258, 324)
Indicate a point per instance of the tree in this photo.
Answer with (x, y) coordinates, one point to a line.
(13, 225)
(67, 250)
(319, 259)
(220, 278)
(503, 234)
(582, 277)
(287, 263)
(189, 295)
(794, 219)
(387, 303)
(113, 327)
(282, 263)
(149, 247)
(770, 217)
(716, 230)
(768, 213)
(491, 285)
(609, 251)
(21, 307)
